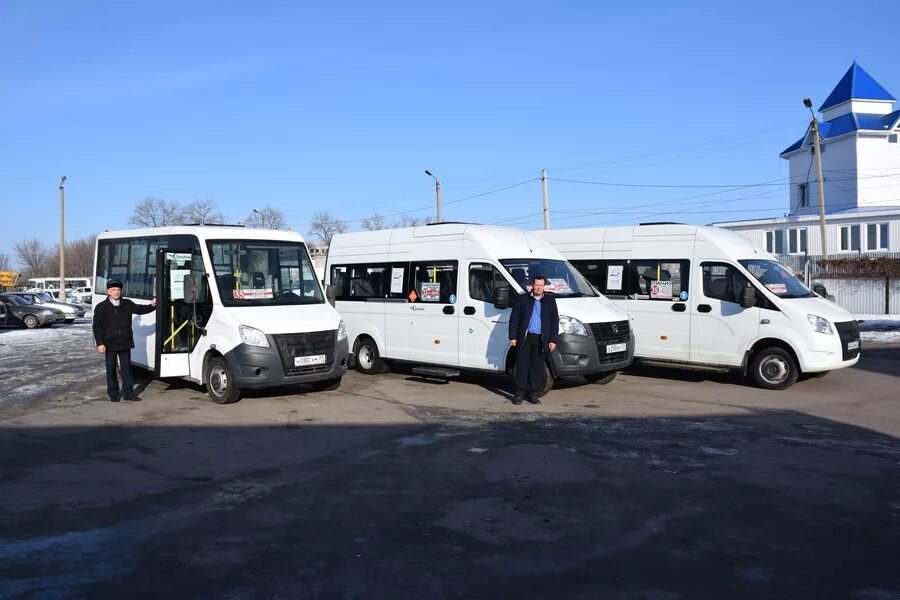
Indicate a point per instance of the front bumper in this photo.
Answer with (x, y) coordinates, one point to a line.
(836, 351)
(584, 354)
(50, 319)
(255, 367)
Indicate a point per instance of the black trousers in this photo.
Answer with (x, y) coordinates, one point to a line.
(529, 367)
(112, 382)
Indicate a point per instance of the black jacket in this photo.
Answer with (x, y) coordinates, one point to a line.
(521, 315)
(112, 324)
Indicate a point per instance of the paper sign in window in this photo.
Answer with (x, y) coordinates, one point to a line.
(431, 292)
(614, 278)
(396, 281)
(661, 290)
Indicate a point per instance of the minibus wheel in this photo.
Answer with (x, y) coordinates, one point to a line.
(219, 382)
(773, 368)
(601, 378)
(367, 359)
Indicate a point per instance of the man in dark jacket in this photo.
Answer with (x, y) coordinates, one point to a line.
(115, 339)
(533, 330)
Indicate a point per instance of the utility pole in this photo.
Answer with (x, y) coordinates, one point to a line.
(437, 194)
(262, 218)
(818, 150)
(62, 239)
(546, 200)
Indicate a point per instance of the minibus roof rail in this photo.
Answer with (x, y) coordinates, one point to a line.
(661, 223)
(213, 225)
(453, 223)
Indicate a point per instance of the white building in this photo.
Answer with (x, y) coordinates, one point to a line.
(858, 133)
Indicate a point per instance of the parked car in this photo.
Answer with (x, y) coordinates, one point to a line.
(70, 311)
(53, 296)
(18, 312)
(84, 295)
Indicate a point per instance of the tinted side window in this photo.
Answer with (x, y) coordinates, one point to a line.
(369, 281)
(660, 279)
(723, 282)
(133, 262)
(608, 276)
(433, 281)
(483, 280)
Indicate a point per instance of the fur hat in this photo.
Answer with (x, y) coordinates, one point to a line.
(114, 283)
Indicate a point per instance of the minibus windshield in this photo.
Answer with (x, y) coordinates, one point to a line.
(562, 278)
(263, 273)
(777, 279)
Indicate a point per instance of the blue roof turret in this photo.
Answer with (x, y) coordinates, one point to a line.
(856, 84)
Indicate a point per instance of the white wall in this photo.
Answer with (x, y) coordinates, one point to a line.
(838, 165)
(879, 171)
(872, 107)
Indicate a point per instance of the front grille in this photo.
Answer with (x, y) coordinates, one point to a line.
(615, 332)
(291, 345)
(848, 331)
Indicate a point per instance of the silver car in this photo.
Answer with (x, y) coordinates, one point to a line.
(71, 311)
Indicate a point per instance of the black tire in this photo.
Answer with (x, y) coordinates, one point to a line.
(549, 380)
(327, 385)
(219, 382)
(601, 378)
(368, 361)
(31, 321)
(774, 368)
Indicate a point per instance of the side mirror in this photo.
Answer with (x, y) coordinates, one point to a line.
(194, 289)
(501, 297)
(820, 290)
(748, 297)
(329, 294)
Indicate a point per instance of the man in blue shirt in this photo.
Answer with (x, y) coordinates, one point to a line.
(533, 330)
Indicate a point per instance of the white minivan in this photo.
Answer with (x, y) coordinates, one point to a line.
(441, 294)
(709, 297)
(236, 307)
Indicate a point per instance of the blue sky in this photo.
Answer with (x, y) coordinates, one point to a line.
(341, 106)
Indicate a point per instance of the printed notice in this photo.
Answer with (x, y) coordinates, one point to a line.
(614, 278)
(396, 281)
(252, 294)
(557, 286)
(431, 292)
(777, 288)
(176, 283)
(661, 290)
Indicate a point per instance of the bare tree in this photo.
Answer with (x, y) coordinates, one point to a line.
(267, 218)
(31, 254)
(410, 221)
(156, 212)
(324, 226)
(79, 257)
(204, 212)
(4, 262)
(373, 223)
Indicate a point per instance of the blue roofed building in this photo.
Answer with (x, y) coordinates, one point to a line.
(858, 133)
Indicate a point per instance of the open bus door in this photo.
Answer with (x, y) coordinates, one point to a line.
(182, 306)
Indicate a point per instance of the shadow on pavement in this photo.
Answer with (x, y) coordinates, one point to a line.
(777, 504)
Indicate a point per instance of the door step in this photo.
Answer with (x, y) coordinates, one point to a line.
(442, 373)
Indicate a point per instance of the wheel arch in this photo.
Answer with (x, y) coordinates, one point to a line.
(768, 342)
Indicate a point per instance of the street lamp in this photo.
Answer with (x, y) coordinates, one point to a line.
(62, 239)
(818, 150)
(262, 218)
(437, 193)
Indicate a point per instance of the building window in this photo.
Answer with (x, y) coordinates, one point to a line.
(850, 238)
(877, 236)
(797, 241)
(775, 242)
(803, 193)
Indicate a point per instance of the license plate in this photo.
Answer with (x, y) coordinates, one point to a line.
(852, 345)
(305, 361)
(612, 348)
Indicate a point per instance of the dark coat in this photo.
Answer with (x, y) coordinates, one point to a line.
(521, 315)
(112, 324)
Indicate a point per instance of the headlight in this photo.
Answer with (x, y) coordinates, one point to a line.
(46, 311)
(253, 337)
(342, 331)
(571, 326)
(819, 324)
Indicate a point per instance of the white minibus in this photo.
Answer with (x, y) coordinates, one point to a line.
(709, 297)
(236, 307)
(441, 294)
